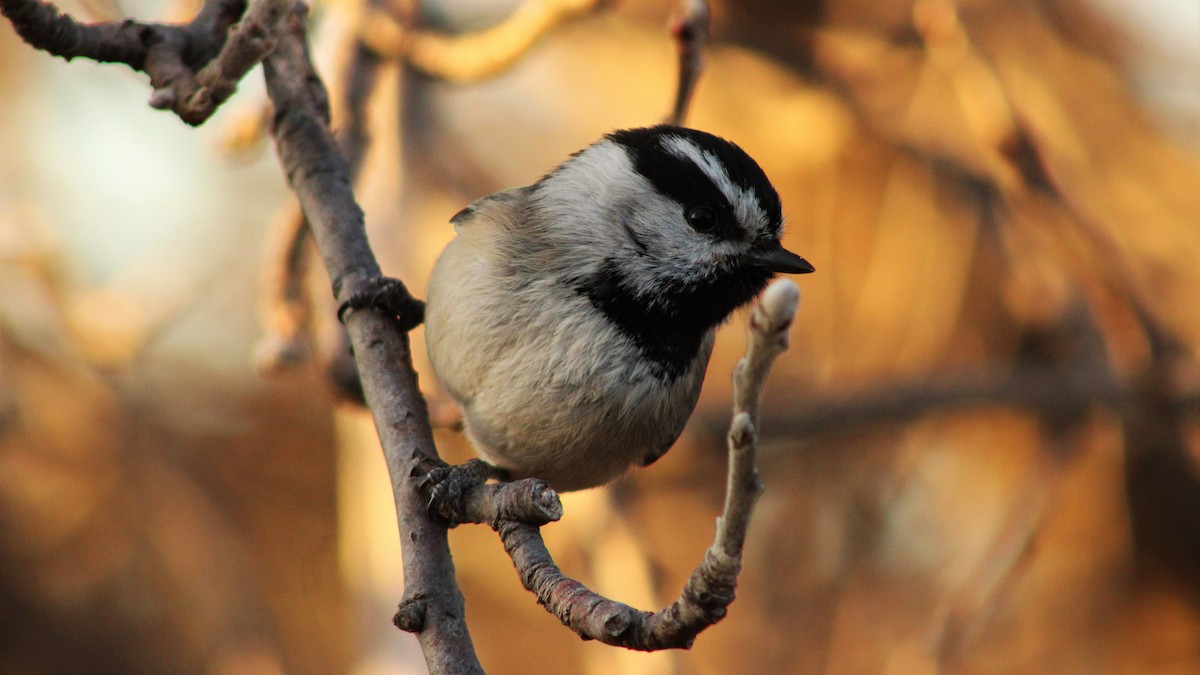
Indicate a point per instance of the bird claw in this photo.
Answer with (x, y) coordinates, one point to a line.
(447, 485)
(388, 294)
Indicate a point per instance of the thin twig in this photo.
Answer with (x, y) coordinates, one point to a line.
(249, 41)
(173, 59)
(690, 29)
(710, 589)
(287, 315)
(361, 78)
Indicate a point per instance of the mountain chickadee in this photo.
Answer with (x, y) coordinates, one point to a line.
(572, 319)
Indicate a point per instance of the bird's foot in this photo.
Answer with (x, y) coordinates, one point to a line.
(389, 295)
(446, 487)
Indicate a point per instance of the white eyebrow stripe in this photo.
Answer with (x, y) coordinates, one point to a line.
(745, 204)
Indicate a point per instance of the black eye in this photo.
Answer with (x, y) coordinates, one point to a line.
(701, 218)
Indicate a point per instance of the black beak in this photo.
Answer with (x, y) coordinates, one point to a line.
(779, 259)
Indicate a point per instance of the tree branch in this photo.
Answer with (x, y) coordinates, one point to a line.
(433, 606)
(193, 67)
(43, 27)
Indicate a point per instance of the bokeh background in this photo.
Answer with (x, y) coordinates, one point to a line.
(980, 454)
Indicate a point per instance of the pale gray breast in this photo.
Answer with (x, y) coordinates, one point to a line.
(576, 406)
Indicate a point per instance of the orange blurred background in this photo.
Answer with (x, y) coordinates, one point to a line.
(980, 453)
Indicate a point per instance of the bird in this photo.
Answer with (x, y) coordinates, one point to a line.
(572, 320)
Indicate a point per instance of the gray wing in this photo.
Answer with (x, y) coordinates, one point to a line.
(506, 199)
(652, 457)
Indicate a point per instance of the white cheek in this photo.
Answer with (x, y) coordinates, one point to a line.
(672, 248)
(584, 198)
(599, 209)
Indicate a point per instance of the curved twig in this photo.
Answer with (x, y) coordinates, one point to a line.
(710, 589)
